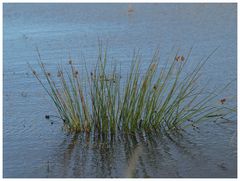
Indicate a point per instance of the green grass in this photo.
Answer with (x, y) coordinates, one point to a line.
(159, 100)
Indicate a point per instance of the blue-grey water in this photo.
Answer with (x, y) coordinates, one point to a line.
(33, 147)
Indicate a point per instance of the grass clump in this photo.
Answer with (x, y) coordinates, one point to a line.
(160, 99)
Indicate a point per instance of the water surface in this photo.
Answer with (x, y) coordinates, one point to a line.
(33, 147)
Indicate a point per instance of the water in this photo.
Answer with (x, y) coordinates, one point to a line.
(33, 147)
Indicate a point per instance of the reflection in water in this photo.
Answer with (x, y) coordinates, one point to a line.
(130, 171)
(135, 155)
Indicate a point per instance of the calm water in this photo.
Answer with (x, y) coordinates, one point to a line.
(33, 147)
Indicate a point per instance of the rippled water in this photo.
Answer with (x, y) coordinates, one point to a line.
(33, 147)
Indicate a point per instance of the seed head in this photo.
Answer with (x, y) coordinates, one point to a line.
(177, 58)
(153, 67)
(223, 100)
(75, 74)
(182, 58)
(144, 85)
(59, 73)
(34, 72)
(70, 62)
(49, 74)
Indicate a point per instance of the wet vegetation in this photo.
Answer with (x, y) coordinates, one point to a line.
(161, 99)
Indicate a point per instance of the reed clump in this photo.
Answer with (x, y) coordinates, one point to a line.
(160, 99)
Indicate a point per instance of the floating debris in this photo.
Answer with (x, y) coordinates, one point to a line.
(23, 94)
(25, 37)
(222, 166)
(130, 9)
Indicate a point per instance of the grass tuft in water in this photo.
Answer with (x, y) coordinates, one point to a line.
(159, 99)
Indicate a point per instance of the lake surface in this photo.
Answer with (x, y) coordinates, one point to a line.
(35, 147)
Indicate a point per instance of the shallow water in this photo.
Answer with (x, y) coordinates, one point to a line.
(33, 147)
